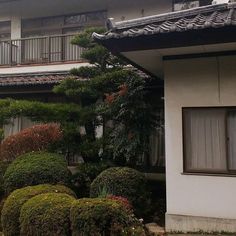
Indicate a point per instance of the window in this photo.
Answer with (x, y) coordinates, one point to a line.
(5, 30)
(56, 25)
(209, 140)
(179, 5)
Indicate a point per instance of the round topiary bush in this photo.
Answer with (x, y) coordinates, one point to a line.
(36, 168)
(84, 175)
(46, 214)
(3, 167)
(124, 182)
(12, 206)
(100, 216)
(36, 138)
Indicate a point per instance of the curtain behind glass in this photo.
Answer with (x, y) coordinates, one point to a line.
(205, 139)
(231, 122)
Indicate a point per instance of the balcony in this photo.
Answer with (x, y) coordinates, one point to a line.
(39, 50)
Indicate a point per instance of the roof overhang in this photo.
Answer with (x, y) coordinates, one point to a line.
(147, 41)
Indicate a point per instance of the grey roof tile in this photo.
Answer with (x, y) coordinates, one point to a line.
(213, 16)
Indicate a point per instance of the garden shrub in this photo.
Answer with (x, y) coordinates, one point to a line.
(84, 176)
(100, 217)
(36, 138)
(12, 206)
(124, 182)
(3, 167)
(46, 214)
(36, 168)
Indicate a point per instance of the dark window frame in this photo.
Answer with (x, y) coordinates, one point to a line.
(230, 173)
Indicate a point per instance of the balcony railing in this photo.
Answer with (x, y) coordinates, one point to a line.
(39, 50)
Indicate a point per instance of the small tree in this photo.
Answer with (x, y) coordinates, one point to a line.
(114, 92)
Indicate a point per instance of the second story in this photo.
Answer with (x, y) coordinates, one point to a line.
(38, 33)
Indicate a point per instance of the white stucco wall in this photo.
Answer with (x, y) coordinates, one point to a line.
(196, 83)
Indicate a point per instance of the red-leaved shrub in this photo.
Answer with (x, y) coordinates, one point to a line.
(124, 201)
(36, 138)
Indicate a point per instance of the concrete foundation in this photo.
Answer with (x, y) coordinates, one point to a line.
(194, 224)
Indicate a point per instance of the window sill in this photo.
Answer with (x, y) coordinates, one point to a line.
(209, 174)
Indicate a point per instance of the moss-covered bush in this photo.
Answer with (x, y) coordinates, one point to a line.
(36, 138)
(36, 168)
(124, 182)
(12, 206)
(3, 168)
(84, 176)
(46, 214)
(100, 216)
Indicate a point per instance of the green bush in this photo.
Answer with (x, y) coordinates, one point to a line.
(46, 214)
(1, 207)
(99, 216)
(3, 168)
(84, 176)
(36, 168)
(124, 182)
(12, 206)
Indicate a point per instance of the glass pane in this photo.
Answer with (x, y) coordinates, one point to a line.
(205, 139)
(231, 121)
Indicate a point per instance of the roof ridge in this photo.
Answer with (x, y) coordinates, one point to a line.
(167, 16)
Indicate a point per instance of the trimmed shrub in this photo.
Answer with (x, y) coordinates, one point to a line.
(46, 214)
(84, 176)
(3, 168)
(36, 138)
(1, 207)
(12, 206)
(124, 182)
(99, 216)
(122, 200)
(36, 168)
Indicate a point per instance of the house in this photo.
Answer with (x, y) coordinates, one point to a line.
(35, 49)
(194, 52)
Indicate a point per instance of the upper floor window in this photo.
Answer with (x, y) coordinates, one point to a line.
(5, 30)
(62, 24)
(210, 140)
(179, 5)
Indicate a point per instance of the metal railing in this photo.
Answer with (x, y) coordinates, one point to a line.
(39, 50)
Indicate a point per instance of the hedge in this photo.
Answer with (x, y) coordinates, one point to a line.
(84, 176)
(36, 168)
(3, 167)
(124, 182)
(46, 214)
(11, 209)
(99, 216)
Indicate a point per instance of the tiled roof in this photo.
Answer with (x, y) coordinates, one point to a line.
(212, 16)
(32, 79)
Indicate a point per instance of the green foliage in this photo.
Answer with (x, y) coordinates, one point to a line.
(12, 206)
(124, 182)
(46, 214)
(133, 120)
(36, 168)
(113, 92)
(39, 111)
(3, 167)
(1, 135)
(85, 174)
(100, 216)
